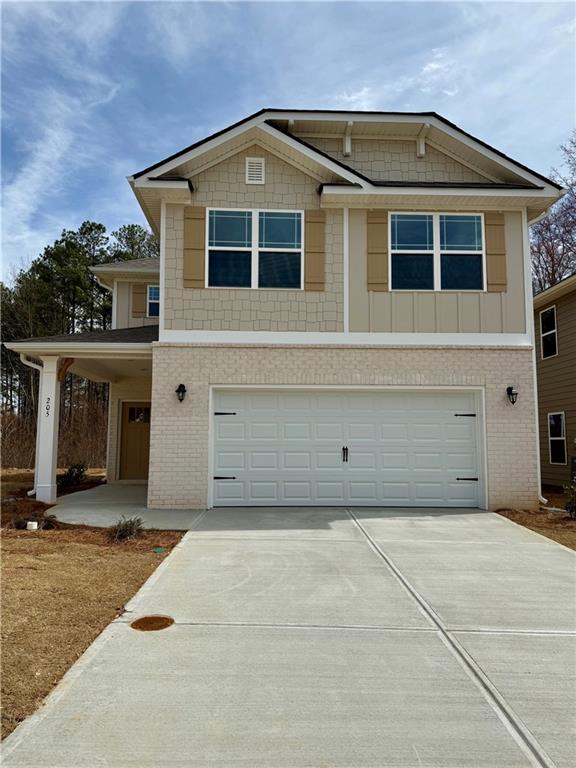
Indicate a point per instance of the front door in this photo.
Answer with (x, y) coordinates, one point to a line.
(135, 441)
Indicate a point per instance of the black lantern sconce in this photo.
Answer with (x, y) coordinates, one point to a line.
(181, 392)
(512, 394)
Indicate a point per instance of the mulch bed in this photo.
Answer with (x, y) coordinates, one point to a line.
(61, 588)
(555, 525)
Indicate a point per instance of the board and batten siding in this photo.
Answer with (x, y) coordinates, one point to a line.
(557, 385)
(436, 312)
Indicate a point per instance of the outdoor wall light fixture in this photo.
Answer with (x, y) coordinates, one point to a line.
(181, 392)
(512, 394)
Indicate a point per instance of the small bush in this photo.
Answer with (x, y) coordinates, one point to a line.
(126, 528)
(74, 475)
(571, 504)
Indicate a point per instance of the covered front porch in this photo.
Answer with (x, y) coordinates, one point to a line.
(106, 504)
(123, 359)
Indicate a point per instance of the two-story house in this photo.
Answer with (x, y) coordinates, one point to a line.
(341, 315)
(555, 326)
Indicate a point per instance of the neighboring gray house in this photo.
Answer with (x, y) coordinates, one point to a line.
(555, 324)
(343, 303)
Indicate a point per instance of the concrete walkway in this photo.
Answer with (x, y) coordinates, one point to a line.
(104, 505)
(330, 637)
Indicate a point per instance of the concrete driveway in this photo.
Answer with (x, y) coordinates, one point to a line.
(330, 637)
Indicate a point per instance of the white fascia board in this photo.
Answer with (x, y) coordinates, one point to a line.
(310, 153)
(161, 183)
(91, 350)
(353, 339)
(419, 119)
(260, 123)
(334, 189)
(566, 286)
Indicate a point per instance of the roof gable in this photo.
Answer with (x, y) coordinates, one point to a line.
(443, 134)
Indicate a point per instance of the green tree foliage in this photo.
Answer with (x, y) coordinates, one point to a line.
(58, 294)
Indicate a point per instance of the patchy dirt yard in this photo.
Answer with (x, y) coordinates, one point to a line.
(17, 482)
(60, 588)
(554, 525)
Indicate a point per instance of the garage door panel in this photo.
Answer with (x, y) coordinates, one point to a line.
(296, 431)
(263, 431)
(404, 448)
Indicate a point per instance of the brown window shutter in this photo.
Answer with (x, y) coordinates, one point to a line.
(194, 247)
(377, 246)
(139, 296)
(314, 250)
(495, 252)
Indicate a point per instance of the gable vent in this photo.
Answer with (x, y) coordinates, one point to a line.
(254, 170)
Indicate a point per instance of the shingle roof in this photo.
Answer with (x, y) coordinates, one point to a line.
(131, 265)
(262, 112)
(146, 334)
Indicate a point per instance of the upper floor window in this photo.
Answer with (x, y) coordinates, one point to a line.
(557, 438)
(254, 249)
(437, 252)
(548, 333)
(153, 302)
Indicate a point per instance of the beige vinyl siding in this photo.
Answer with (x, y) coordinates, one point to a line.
(397, 161)
(557, 385)
(439, 312)
(124, 314)
(288, 188)
(124, 390)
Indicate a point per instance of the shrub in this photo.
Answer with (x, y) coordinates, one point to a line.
(126, 528)
(571, 503)
(74, 475)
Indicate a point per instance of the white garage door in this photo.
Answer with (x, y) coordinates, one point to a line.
(320, 448)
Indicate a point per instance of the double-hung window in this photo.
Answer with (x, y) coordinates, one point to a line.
(437, 252)
(557, 438)
(153, 301)
(254, 249)
(548, 333)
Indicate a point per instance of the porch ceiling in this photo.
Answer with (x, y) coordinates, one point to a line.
(112, 369)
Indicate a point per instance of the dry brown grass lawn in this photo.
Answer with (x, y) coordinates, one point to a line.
(557, 526)
(16, 482)
(60, 588)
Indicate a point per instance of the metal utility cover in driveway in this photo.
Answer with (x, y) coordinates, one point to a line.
(300, 641)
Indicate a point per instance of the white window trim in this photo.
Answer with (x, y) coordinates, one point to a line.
(548, 333)
(152, 301)
(562, 438)
(436, 252)
(254, 250)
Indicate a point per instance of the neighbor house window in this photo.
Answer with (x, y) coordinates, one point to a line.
(437, 252)
(557, 438)
(548, 334)
(254, 249)
(153, 301)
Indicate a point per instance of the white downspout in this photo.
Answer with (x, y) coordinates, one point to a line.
(38, 367)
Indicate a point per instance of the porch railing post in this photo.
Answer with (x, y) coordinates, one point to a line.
(47, 431)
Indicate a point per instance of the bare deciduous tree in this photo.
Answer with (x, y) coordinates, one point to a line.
(553, 240)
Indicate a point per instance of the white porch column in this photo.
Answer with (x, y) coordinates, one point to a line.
(47, 431)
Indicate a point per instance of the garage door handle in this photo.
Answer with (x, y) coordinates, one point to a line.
(473, 479)
(344, 453)
(224, 477)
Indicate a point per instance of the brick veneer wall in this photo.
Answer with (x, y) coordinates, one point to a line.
(179, 438)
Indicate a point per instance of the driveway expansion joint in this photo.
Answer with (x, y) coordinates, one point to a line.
(514, 724)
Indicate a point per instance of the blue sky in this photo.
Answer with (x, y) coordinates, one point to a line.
(92, 92)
